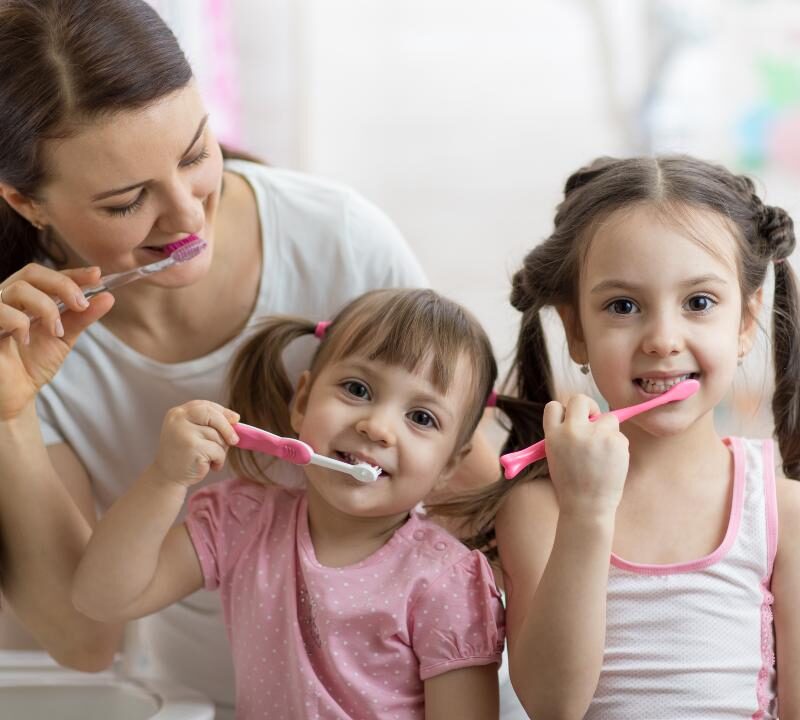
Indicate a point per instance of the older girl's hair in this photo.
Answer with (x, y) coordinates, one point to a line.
(549, 276)
(409, 328)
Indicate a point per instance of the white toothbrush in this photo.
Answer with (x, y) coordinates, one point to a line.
(298, 452)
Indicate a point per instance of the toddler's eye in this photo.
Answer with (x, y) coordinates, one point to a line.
(356, 388)
(422, 418)
(700, 303)
(621, 307)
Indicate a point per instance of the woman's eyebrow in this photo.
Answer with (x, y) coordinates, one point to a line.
(128, 188)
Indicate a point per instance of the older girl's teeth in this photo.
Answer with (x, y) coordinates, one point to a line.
(661, 386)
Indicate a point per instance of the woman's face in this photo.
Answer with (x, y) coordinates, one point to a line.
(133, 182)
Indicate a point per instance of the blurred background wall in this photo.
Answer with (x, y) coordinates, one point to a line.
(463, 118)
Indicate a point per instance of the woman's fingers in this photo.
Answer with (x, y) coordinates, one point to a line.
(33, 294)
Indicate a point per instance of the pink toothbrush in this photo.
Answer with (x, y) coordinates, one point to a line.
(182, 251)
(514, 462)
(298, 452)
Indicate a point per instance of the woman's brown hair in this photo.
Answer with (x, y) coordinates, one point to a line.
(549, 277)
(409, 328)
(64, 63)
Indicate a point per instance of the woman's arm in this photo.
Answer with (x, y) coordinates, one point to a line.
(43, 533)
(467, 694)
(786, 589)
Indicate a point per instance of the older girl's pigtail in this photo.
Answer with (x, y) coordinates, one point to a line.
(777, 229)
(259, 388)
(786, 356)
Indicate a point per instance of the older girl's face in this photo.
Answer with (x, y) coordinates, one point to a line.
(127, 185)
(656, 308)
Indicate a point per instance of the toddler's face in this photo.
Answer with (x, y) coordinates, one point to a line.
(657, 307)
(358, 410)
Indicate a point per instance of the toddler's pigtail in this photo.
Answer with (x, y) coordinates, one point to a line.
(258, 386)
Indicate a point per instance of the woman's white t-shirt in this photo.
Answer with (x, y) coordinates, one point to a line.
(323, 245)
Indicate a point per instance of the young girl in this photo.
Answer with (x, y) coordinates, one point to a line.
(340, 601)
(656, 268)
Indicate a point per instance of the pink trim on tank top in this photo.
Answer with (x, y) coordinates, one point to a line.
(767, 651)
(730, 535)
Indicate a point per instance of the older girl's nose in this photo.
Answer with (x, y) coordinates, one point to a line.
(662, 337)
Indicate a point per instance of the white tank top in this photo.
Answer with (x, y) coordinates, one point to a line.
(695, 639)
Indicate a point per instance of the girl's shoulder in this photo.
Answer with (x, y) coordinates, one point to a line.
(240, 500)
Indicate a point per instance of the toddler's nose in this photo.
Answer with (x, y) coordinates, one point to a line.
(377, 429)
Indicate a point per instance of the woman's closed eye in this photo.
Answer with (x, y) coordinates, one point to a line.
(122, 210)
(423, 418)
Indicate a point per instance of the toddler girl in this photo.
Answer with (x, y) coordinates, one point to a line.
(340, 601)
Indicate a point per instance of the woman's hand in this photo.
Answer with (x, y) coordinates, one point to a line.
(32, 355)
(588, 461)
(195, 438)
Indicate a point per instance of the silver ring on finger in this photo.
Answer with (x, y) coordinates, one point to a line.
(1, 295)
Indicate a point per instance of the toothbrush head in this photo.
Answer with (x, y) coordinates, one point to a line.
(187, 248)
(365, 473)
(682, 390)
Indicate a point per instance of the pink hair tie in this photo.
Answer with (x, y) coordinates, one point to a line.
(491, 401)
(321, 328)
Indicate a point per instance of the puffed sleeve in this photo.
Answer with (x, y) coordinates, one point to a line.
(217, 519)
(459, 620)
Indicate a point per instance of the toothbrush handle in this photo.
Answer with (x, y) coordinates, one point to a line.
(258, 440)
(513, 463)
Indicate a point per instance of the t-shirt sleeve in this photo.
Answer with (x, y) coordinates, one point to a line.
(218, 519)
(378, 241)
(459, 620)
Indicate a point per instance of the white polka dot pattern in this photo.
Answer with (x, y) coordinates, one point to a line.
(311, 641)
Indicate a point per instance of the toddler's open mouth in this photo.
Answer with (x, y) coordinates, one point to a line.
(351, 459)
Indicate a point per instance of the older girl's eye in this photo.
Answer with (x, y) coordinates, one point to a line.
(700, 303)
(623, 306)
(356, 388)
(127, 209)
(422, 418)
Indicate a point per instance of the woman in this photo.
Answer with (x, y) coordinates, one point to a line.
(107, 157)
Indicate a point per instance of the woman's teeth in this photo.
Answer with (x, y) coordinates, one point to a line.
(662, 384)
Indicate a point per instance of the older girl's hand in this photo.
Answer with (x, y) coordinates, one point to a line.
(31, 356)
(588, 461)
(194, 439)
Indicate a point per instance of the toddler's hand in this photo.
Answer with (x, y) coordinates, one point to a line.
(194, 439)
(588, 461)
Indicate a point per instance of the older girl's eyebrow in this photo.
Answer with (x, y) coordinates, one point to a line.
(128, 188)
(607, 285)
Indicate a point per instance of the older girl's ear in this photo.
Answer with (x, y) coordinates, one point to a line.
(749, 325)
(574, 332)
(300, 401)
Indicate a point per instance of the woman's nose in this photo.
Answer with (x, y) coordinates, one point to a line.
(377, 429)
(183, 211)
